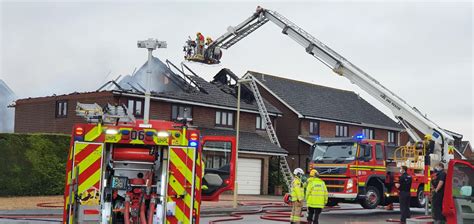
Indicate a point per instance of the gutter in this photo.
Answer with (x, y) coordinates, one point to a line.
(193, 103)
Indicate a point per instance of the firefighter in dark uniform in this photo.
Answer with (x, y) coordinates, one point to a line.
(438, 194)
(404, 186)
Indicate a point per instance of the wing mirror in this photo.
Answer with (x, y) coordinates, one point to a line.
(466, 191)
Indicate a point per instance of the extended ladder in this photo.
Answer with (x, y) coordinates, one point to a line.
(285, 169)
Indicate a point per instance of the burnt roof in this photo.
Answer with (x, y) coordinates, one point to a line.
(324, 102)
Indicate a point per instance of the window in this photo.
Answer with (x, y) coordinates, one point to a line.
(314, 127)
(224, 119)
(379, 152)
(368, 133)
(365, 151)
(341, 131)
(217, 154)
(61, 108)
(181, 111)
(260, 123)
(391, 137)
(135, 107)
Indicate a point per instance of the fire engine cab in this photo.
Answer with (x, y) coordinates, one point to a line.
(365, 171)
(120, 170)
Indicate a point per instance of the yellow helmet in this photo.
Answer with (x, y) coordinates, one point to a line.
(208, 38)
(313, 173)
(428, 137)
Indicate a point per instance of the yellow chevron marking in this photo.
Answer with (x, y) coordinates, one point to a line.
(89, 160)
(93, 133)
(180, 190)
(79, 146)
(181, 166)
(84, 186)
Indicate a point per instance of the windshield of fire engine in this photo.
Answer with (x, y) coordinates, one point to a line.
(339, 152)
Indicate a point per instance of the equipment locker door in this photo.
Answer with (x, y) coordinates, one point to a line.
(181, 181)
(84, 175)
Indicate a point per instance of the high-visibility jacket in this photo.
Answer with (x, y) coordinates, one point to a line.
(297, 193)
(316, 193)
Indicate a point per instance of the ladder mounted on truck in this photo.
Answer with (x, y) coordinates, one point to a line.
(262, 109)
(109, 114)
(409, 116)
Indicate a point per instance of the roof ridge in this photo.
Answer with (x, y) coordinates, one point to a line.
(299, 81)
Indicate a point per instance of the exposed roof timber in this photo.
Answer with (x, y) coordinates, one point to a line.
(191, 103)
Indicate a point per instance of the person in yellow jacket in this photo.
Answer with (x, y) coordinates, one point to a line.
(316, 196)
(297, 196)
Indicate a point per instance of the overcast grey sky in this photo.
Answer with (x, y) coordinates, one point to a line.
(422, 51)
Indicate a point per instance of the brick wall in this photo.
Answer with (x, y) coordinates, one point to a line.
(39, 114)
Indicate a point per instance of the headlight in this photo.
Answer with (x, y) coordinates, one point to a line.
(163, 134)
(111, 131)
(350, 184)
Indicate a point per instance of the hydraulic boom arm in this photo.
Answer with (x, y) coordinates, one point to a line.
(406, 114)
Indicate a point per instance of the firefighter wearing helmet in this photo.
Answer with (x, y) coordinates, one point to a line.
(316, 196)
(199, 43)
(297, 196)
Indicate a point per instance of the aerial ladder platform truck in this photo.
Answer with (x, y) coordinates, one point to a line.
(425, 153)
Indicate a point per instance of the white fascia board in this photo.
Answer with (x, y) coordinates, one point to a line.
(354, 123)
(245, 152)
(274, 95)
(194, 103)
(304, 140)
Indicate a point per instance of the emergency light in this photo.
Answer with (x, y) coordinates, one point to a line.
(360, 136)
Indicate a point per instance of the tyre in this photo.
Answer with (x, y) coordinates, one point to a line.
(420, 200)
(372, 198)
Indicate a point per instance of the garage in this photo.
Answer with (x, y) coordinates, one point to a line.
(249, 176)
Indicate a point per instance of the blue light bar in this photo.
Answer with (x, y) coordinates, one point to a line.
(193, 143)
(360, 136)
(149, 133)
(125, 132)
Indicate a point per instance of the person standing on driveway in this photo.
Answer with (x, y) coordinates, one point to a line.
(404, 186)
(297, 196)
(316, 197)
(438, 194)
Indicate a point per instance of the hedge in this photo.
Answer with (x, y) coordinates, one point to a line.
(32, 164)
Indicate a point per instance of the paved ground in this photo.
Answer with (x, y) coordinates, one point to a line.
(217, 210)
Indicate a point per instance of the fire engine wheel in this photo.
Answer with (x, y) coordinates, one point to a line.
(420, 199)
(372, 198)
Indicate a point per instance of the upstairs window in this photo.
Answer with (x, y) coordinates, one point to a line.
(368, 133)
(391, 137)
(224, 119)
(260, 123)
(341, 130)
(135, 107)
(314, 127)
(61, 108)
(181, 111)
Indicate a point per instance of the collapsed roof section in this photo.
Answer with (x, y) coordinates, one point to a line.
(171, 82)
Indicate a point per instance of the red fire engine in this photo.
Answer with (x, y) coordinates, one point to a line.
(120, 170)
(365, 171)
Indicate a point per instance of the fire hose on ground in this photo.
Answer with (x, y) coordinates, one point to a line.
(280, 212)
